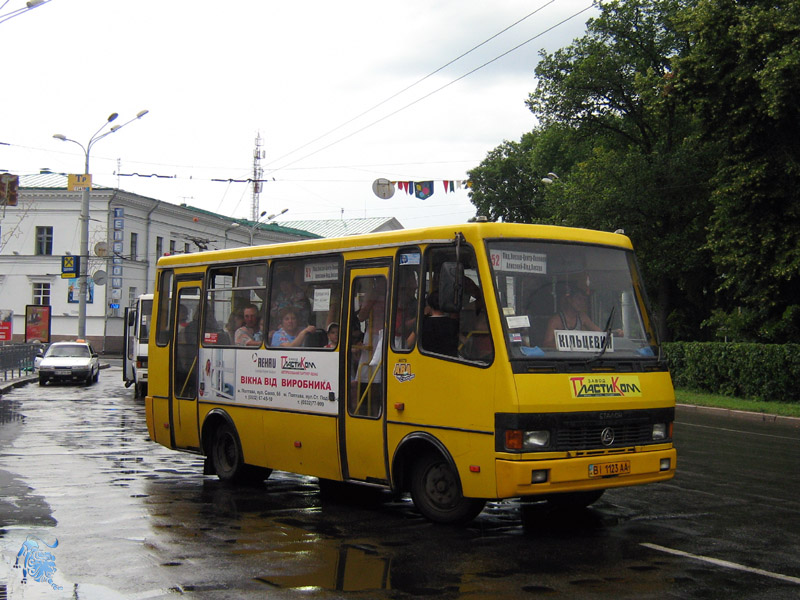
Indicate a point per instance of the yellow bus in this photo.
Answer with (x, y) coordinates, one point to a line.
(458, 364)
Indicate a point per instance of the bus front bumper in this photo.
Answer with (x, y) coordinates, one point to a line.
(532, 477)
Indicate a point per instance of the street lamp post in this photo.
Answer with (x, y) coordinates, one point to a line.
(84, 249)
(267, 220)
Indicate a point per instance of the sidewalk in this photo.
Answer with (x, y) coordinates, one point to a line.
(6, 385)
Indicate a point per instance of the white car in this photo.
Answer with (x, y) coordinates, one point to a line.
(70, 361)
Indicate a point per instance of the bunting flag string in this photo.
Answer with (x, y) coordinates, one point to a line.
(425, 189)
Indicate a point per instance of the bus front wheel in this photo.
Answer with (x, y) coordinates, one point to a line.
(436, 492)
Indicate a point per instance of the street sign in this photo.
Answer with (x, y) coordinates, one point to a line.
(70, 266)
(78, 183)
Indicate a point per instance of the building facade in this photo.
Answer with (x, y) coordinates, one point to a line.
(127, 235)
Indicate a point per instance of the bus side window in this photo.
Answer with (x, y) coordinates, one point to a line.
(232, 291)
(304, 301)
(406, 304)
(463, 334)
(164, 326)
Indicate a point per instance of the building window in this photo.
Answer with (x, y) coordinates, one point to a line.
(186, 248)
(44, 240)
(172, 247)
(41, 294)
(132, 296)
(134, 245)
(159, 247)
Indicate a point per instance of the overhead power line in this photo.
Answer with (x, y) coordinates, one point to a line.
(408, 87)
(428, 95)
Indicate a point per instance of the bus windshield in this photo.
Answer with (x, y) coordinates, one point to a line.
(570, 301)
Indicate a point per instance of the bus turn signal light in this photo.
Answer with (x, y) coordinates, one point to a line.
(513, 439)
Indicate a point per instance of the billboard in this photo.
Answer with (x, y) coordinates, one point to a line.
(6, 324)
(37, 323)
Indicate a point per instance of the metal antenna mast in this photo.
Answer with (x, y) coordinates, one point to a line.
(258, 174)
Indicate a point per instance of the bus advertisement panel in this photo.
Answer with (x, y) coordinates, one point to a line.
(271, 378)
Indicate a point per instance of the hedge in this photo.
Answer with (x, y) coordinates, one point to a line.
(754, 371)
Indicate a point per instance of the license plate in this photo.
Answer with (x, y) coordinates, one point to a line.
(609, 469)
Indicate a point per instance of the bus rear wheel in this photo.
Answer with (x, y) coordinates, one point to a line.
(436, 492)
(226, 454)
(228, 459)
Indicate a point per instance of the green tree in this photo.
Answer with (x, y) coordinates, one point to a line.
(636, 163)
(508, 186)
(742, 78)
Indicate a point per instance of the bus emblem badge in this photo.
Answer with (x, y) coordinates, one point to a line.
(402, 372)
(607, 436)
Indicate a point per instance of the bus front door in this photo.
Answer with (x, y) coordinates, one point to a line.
(365, 413)
(186, 346)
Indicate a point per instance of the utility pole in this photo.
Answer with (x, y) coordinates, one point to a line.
(258, 174)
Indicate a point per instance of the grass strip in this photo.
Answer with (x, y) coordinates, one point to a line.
(784, 409)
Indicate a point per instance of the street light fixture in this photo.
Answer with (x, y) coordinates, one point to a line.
(227, 229)
(84, 249)
(267, 220)
(551, 177)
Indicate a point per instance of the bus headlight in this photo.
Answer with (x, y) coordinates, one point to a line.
(516, 439)
(660, 431)
(533, 440)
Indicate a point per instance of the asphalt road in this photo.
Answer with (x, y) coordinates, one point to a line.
(134, 520)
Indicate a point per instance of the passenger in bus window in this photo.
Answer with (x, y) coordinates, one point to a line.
(287, 295)
(439, 329)
(249, 334)
(291, 333)
(333, 335)
(235, 321)
(573, 314)
(183, 319)
(405, 321)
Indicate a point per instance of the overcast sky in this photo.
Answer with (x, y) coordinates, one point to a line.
(301, 74)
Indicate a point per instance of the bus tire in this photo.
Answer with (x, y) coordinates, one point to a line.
(574, 500)
(436, 492)
(228, 459)
(226, 454)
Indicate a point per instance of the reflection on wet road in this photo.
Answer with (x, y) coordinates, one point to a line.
(135, 520)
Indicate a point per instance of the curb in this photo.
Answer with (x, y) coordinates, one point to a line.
(741, 414)
(7, 386)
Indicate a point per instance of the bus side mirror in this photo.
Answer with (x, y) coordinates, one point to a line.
(451, 286)
(131, 318)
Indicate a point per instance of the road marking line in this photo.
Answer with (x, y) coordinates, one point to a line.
(723, 563)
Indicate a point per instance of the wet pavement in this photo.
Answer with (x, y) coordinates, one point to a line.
(135, 520)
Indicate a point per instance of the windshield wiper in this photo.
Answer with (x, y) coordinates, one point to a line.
(607, 330)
